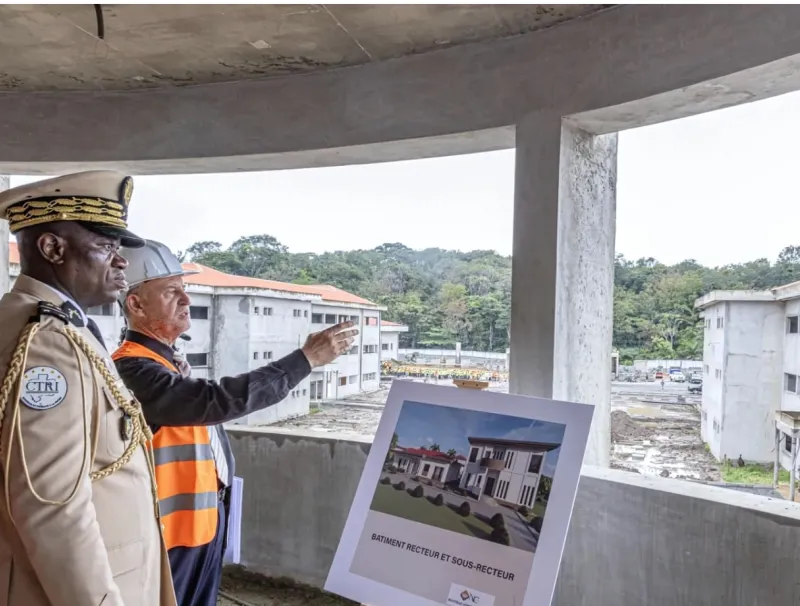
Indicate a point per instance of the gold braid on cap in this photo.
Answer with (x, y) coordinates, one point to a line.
(95, 210)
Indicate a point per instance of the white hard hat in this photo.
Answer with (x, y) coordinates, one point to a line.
(151, 262)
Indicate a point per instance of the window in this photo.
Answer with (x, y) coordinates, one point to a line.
(267, 355)
(197, 359)
(305, 313)
(198, 313)
(256, 310)
(720, 322)
(343, 319)
(478, 481)
(717, 373)
(267, 311)
(370, 321)
(343, 381)
(792, 325)
(787, 442)
(353, 350)
(791, 383)
(352, 379)
(425, 469)
(354, 319)
(437, 473)
(469, 477)
(370, 349)
(330, 318)
(101, 310)
(297, 313)
(370, 376)
(535, 464)
(255, 355)
(509, 459)
(316, 318)
(384, 347)
(708, 323)
(305, 392)
(473, 455)
(706, 369)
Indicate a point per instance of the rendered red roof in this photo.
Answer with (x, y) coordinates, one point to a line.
(431, 454)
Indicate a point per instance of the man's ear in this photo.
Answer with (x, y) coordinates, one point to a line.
(52, 247)
(134, 304)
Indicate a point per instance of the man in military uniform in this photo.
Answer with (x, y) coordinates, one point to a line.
(78, 516)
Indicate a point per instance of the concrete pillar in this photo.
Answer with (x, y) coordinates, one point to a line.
(563, 269)
(4, 279)
(777, 465)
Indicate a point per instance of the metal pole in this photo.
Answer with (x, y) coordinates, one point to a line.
(793, 470)
(777, 464)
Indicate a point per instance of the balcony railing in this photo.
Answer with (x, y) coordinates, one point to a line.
(625, 527)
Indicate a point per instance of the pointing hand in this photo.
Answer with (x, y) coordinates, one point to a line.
(325, 346)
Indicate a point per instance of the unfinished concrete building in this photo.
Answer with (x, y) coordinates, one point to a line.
(190, 89)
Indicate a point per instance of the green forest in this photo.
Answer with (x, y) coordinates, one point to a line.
(445, 296)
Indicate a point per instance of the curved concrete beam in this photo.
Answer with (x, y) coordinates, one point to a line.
(609, 59)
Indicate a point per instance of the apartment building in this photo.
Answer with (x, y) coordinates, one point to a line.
(506, 470)
(390, 339)
(751, 365)
(241, 323)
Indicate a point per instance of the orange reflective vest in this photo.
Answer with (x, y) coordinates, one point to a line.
(185, 472)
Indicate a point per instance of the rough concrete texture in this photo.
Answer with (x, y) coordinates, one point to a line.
(587, 219)
(4, 279)
(629, 54)
(633, 540)
(297, 493)
(563, 268)
(166, 45)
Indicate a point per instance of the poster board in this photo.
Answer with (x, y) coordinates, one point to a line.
(514, 460)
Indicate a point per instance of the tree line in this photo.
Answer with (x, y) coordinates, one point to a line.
(446, 296)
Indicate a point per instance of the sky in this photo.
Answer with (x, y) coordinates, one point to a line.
(426, 424)
(718, 188)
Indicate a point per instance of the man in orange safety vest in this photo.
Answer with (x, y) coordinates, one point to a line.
(193, 459)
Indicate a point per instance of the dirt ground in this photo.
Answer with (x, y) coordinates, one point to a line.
(656, 432)
(242, 588)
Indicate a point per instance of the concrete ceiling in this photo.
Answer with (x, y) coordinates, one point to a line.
(55, 47)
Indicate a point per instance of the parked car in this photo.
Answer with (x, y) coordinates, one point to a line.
(695, 386)
(659, 375)
(678, 377)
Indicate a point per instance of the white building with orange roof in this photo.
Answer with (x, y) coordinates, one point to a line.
(241, 323)
(390, 339)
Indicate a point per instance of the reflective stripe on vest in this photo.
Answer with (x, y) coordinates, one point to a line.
(185, 472)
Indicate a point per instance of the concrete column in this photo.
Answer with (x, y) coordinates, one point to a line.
(4, 279)
(563, 269)
(777, 465)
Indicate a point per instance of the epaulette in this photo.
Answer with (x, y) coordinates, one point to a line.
(48, 309)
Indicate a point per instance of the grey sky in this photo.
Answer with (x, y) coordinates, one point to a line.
(719, 188)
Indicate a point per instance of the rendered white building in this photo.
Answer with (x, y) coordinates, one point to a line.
(751, 365)
(506, 470)
(241, 323)
(431, 464)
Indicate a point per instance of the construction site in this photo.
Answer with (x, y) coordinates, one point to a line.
(655, 430)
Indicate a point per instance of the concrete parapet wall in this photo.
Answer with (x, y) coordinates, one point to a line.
(633, 540)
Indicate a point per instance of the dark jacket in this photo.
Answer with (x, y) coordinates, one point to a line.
(170, 399)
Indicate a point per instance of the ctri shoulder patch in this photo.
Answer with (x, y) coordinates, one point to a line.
(43, 388)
